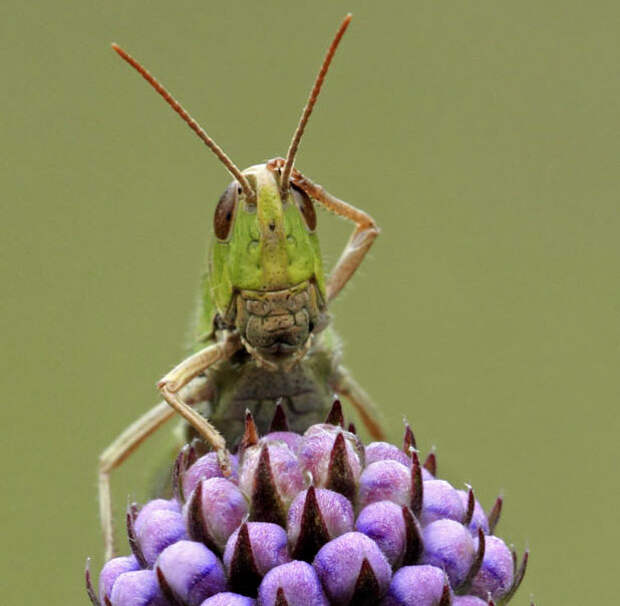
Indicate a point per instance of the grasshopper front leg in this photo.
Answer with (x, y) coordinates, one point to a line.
(182, 374)
(364, 234)
(361, 239)
(125, 444)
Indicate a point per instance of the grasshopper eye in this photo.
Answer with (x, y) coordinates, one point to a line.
(225, 212)
(306, 207)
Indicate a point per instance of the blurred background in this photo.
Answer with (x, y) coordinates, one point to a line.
(483, 137)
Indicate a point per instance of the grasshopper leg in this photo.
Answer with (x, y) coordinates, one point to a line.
(345, 385)
(125, 444)
(182, 374)
(361, 239)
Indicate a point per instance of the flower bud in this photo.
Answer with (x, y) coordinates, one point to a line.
(111, 571)
(270, 476)
(333, 456)
(315, 517)
(139, 587)
(291, 439)
(189, 572)
(155, 505)
(207, 467)
(418, 586)
(214, 510)
(352, 568)
(296, 581)
(228, 599)
(386, 525)
(441, 500)
(468, 600)
(155, 529)
(496, 573)
(384, 451)
(385, 481)
(449, 546)
(251, 551)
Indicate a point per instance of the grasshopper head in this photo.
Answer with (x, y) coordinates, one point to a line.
(265, 274)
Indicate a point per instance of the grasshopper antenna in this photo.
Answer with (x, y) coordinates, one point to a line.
(314, 94)
(176, 106)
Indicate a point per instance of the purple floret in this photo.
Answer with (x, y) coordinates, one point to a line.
(449, 546)
(112, 570)
(468, 600)
(384, 451)
(297, 581)
(416, 586)
(158, 529)
(229, 599)
(496, 574)
(291, 439)
(207, 467)
(336, 512)
(191, 571)
(385, 481)
(268, 543)
(214, 514)
(441, 500)
(138, 588)
(383, 522)
(316, 452)
(341, 563)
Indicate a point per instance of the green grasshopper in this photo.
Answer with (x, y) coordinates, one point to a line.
(263, 309)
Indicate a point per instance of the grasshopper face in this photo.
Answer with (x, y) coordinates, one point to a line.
(265, 274)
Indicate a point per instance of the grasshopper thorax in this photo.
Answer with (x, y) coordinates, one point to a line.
(266, 277)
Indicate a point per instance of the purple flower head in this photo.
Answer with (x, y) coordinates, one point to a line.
(138, 588)
(295, 582)
(419, 586)
(189, 572)
(352, 567)
(311, 520)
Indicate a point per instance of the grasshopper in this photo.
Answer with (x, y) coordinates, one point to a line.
(263, 313)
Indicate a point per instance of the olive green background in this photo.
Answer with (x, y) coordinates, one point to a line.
(484, 139)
